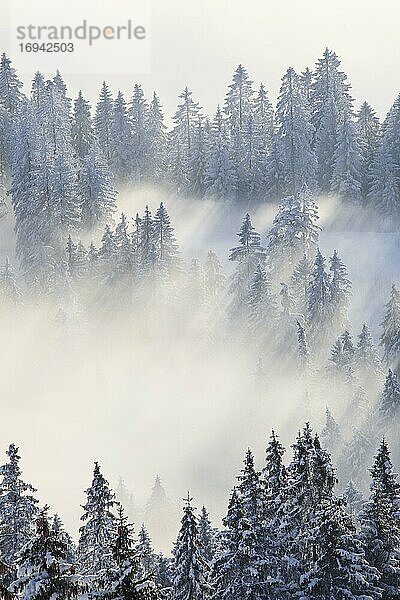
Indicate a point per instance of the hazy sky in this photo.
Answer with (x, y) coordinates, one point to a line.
(199, 44)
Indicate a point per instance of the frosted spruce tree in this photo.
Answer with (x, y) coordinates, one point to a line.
(354, 498)
(56, 182)
(262, 307)
(264, 121)
(125, 580)
(380, 527)
(43, 568)
(331, 102)
(156, 132)
(121, 142)
(103, 121)
(82, 127)
(342, 355)
(299, 282)
(207, 536)
(198, 159)
(340, 293)
(220, 178)
(97, 190)
(295, 133)
(147, 557)
(384, 181)
(238, 102)
(159, 512)
(164, 241)
(248, 255)
(357, 454)
(12, 102)
(186, 121)
(191, 570)
(303, 352)
(311, 479)
(38, 90)
(384, 189)
(319, 306)
(331, 436)
(32, 219)
(96, 535)
(338, 568)
(274, 480)
(368, 130)
(18, 508)
(367, 360)
(237, 109)
(138, 112)
(11, 96)
(58, 529)
(294, 232)
(263, 130)
(347, 175)
(274, 172)
(62, 88)
(239, 570)
(390, 338)
(389, 405)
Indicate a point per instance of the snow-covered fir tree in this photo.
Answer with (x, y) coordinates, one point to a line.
(340, 292)
(331, 434)
(347, 176)
(191, 569)
(388, 404)
(207, 536)
(238, 109)
(295, 135)
(43, 568)
(319, 306)
(159, 512)
(390, 338)
(11, 96)
(96, 535)
(97, 189)
(368, 129)
(146, 553)
(156, 132)
(331, 103)
(380, 527)
(186, 121)
(220, 178)
(294, 231)
(353, 497)
(125, 581)
(248, 255)
(138, 141)
(103, 120)
(82, 127)
(18, 508)
(121, 142)
(198, 158)
(384, 173)
(239, 568)
(367, 361)
(339, 568)
(357, 454)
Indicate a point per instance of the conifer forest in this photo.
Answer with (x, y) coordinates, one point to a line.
(200, 330)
